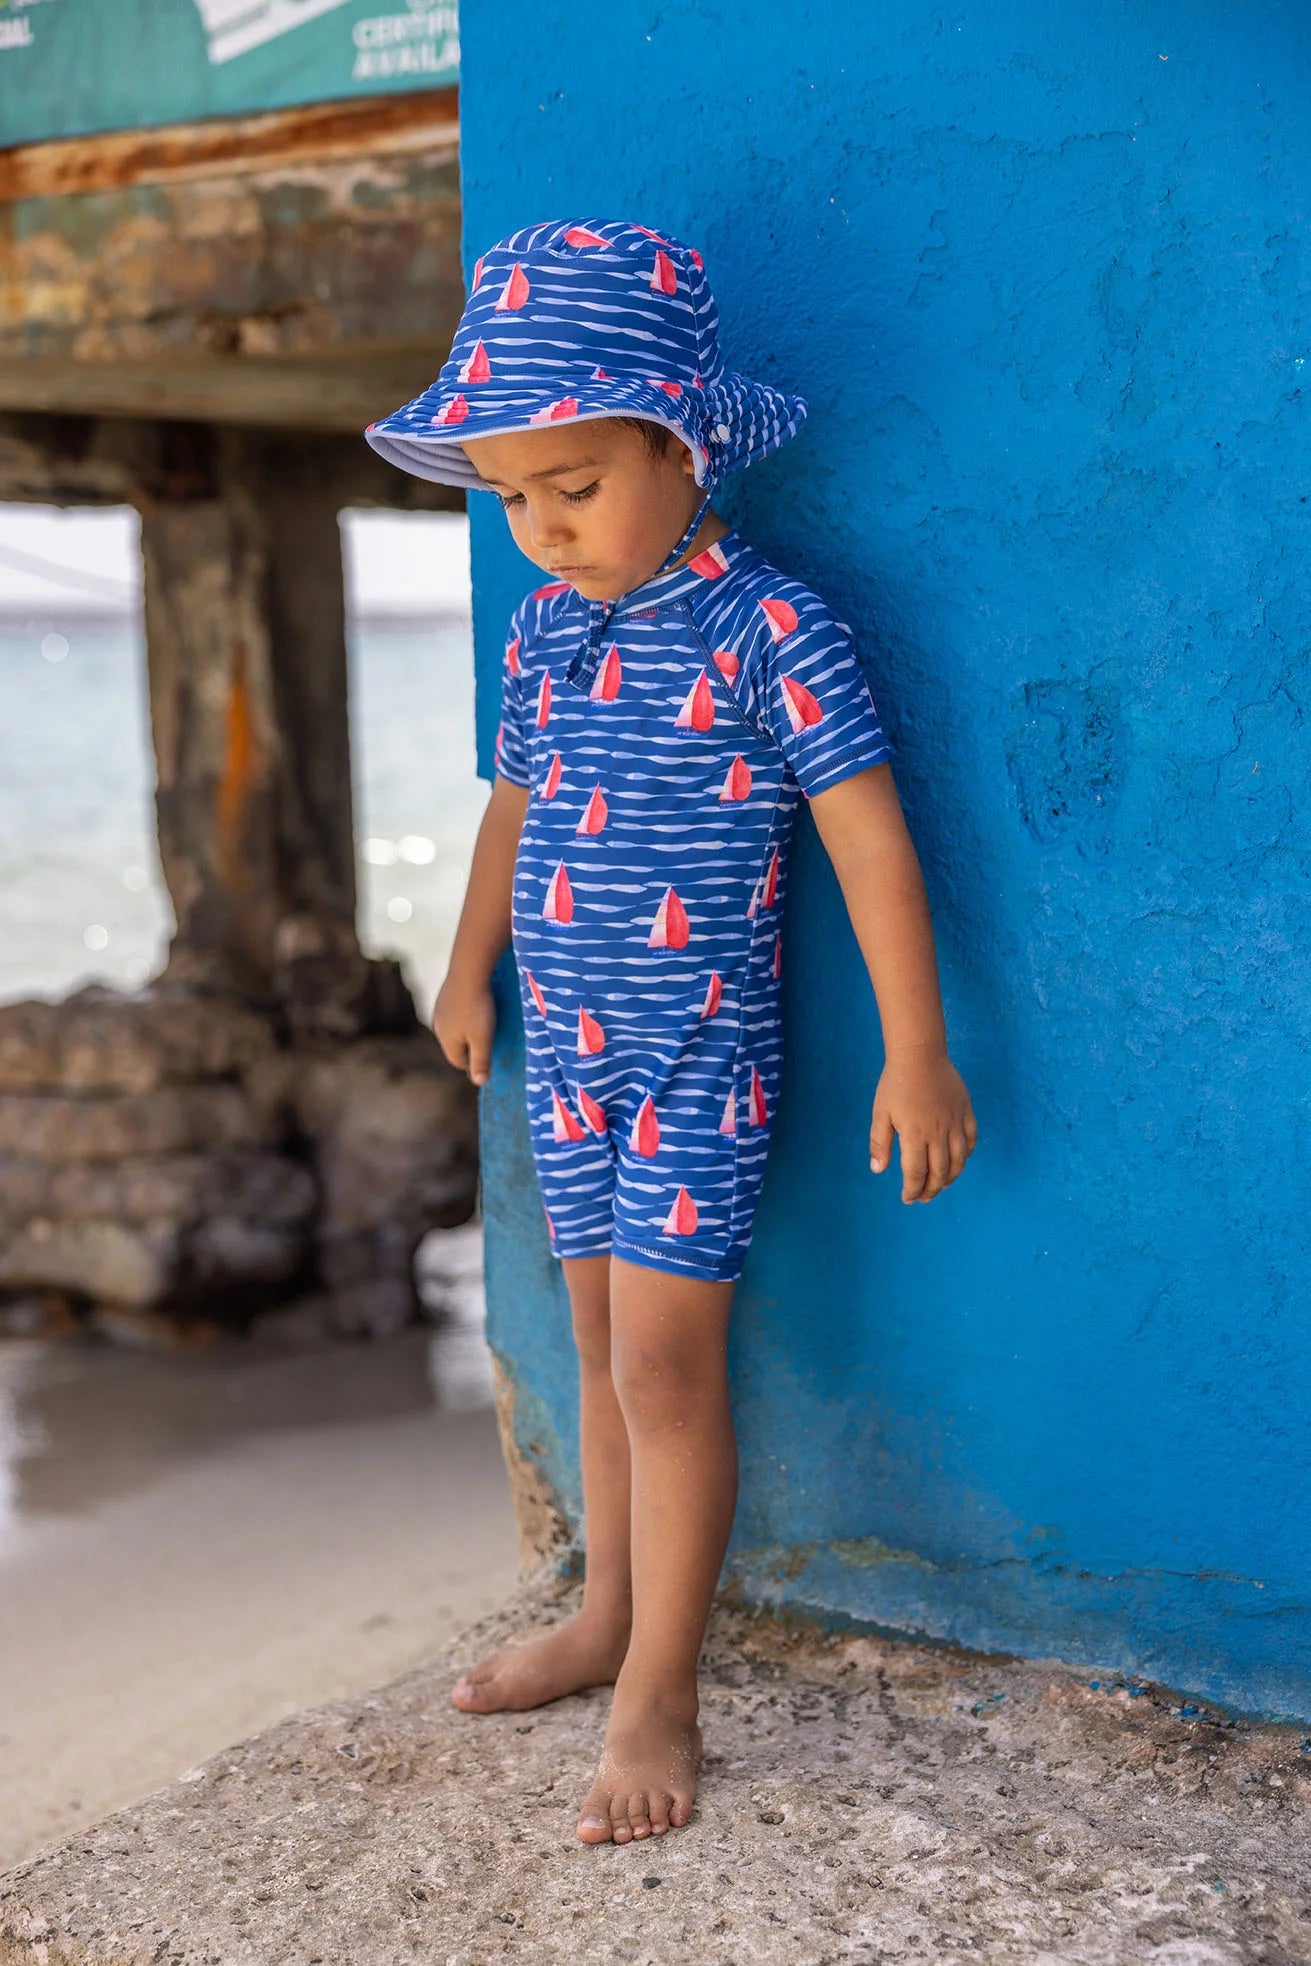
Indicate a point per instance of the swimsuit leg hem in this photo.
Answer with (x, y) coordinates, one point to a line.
(727, 1269)
(575, 1255)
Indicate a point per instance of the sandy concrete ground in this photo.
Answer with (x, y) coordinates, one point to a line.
(862, 1801)
(192, 1548)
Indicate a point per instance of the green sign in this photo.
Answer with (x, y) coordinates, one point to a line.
(71, 67)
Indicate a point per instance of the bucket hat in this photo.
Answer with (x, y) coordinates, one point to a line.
(579, 319)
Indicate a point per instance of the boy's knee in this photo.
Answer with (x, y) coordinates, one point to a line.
(661, 1386)
(591, 1322)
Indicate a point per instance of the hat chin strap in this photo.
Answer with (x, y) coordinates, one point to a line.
(676, 552)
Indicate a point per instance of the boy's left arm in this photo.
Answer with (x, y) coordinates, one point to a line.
(920, 1095)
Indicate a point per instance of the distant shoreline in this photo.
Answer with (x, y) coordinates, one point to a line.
(29, 620)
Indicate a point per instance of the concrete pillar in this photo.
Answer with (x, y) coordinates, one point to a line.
(247, 661)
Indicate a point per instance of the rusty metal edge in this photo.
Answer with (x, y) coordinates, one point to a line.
(375, 126)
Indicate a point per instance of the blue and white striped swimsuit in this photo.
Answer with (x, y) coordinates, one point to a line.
(665, 739)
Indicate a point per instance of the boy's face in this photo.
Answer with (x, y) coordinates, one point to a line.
(589, 502)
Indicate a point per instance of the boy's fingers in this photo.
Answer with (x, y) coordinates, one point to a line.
(939, 1168)
(880, 1141)
(971, 1130)
(480, 1060)
(960, 1151)
(914, 1168)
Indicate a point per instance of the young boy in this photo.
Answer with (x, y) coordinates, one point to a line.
(667, 698)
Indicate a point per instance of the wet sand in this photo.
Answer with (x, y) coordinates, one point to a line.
(192, 1547)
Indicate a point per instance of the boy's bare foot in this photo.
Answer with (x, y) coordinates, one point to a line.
(646, 1781)
(583, 1651)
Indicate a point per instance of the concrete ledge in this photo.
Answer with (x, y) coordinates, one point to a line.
(862, 1799)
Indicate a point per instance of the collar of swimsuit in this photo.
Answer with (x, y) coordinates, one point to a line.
(671, 585)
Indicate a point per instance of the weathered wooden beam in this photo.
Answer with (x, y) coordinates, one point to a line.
(300, 269)
(48, 459)
(376, 126)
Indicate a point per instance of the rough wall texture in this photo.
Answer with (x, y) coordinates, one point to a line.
(1041, 274)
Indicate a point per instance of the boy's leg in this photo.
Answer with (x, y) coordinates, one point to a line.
(669, 1352)
(588, 1649)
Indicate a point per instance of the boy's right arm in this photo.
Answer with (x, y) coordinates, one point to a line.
(464, 1016)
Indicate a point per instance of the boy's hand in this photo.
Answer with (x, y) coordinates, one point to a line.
(921, 1097)
(463, 1021)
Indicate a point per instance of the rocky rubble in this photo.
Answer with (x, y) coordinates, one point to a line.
(173, 1161)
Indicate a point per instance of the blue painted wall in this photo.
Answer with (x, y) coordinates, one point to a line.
(1040, 272)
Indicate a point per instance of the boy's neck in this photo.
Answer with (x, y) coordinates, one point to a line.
(712, 527)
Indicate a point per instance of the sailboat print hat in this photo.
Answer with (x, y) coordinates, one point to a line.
(581, 320)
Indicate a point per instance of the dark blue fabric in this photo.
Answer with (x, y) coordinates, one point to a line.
(665, 740)
(581, 319)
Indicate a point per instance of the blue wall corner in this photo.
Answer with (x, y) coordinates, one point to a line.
(1050, 316)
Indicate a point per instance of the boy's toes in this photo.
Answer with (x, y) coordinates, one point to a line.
(594, 1823)
(473, 1690)
(639, 1817)
(659, 1813)
(620, 1827)
(680, 1811)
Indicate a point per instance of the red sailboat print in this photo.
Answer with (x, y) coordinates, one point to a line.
(551, 587)
(711, 563)
(769, 892)
(696, 259)
(737, 782)
(455, 412)
(535, 990)
(512, 661)
(778, 957)
(645, 1136)
(647, 233)
(599, 375)
(726, 662)
(563, 1124)
(578, 235)
(559, 903)
(514, 293)
(671, 388)
(664, 280)
(698, 711)
(757, 1112)
(803, 709)
(591, 1112)
(729, 1122)
(714, 991)
(544, 701)
(477, 276)
(605, 683)
(682, 1217)
(478, 368)
(556, 412)
(753, 905)
(670, 928)
(782, 618)
(591, 1038)
(551, 782)
(595, 814)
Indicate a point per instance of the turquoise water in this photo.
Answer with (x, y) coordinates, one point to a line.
(81, 894)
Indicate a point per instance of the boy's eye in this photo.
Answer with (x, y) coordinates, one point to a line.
(570, 497)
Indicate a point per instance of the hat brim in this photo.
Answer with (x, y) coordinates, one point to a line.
(418, 439)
